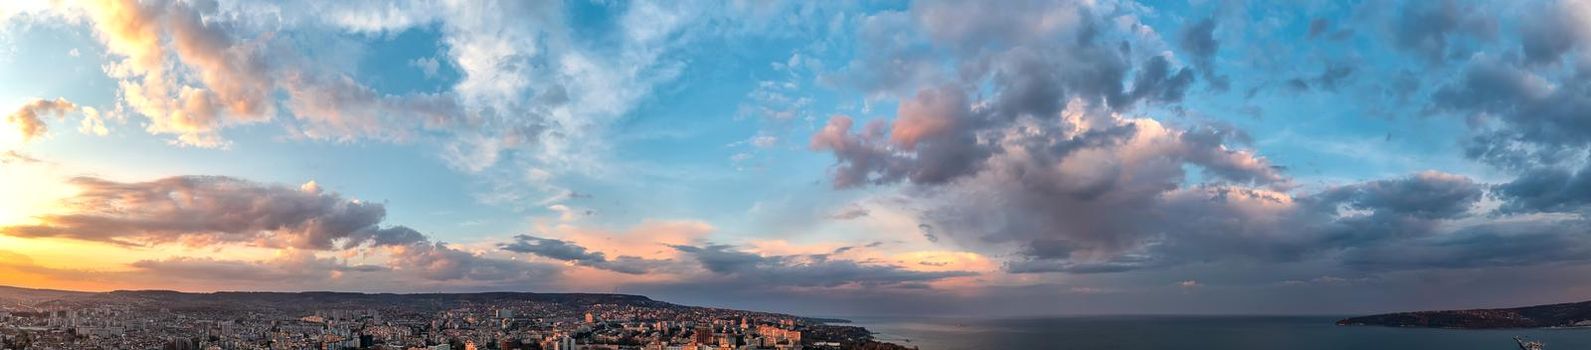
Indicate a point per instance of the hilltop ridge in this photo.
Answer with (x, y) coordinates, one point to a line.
(1575, 314)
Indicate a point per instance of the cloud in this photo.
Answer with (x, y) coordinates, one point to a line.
(292, 266)
(1119, 264)
(148, 37)
(200, 210)
(1547, 189)
(1497, 244)
(1332, 75)
(851, 212)
(439, 262)
(1318, 26)
(1069, 183)
(1521, 120)
(1198, 39)
(1430, 28)
(858, 155)
(29, 121)
(418, 267)
(806, 270)
(1051, 173)
(426, 65)
(14, 156)
(1427, 195)
(569, 251)
(1035, 60)
(1560, 29)
(1040, 50)
(421, 267)
(192, 71)
(1020, 140)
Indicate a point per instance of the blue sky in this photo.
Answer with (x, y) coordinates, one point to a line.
(824, 157)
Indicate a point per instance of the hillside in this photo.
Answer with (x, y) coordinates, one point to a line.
(1539, 316)
(15, 296)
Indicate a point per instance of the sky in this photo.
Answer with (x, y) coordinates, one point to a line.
(816, 157)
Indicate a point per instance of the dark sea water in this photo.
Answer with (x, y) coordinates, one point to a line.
(1195, 332)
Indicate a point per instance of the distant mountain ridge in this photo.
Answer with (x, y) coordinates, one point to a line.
(313, 300)
(27, 296)
(306, 300)
(1576, 314)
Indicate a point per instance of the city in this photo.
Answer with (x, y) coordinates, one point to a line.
(326, 320)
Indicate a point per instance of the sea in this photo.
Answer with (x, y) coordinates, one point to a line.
(1195, 332)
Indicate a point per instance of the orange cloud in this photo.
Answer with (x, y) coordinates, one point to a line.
(931, 114)
(208, 210)
(192, 74)
(28, 118)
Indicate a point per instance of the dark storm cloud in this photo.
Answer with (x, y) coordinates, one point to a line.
(569, 251)
(807, 270)
(1431, 28)
(204, 209)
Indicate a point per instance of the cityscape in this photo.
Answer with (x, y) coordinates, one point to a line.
(326, 320)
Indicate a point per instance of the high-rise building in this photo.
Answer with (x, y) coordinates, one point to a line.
(590, 318)
(704, 335)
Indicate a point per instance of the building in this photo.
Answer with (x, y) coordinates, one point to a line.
(703, 335)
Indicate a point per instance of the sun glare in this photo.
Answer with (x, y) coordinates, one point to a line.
(29, 190)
